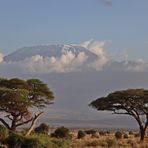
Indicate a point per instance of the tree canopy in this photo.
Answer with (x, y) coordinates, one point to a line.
(18, 96)
(133, 102)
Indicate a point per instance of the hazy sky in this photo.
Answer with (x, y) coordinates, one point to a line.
(121, 23)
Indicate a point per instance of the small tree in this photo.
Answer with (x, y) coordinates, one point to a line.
(133, 102)
(18, 97)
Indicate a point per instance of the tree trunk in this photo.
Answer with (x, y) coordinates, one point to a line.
(33, 124)
(13, 126)
(142, 134)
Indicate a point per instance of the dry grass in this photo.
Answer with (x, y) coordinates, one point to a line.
(108, 141)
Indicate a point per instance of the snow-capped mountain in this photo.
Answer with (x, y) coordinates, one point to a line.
(48, 51)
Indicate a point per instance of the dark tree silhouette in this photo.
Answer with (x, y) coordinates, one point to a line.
(133, 102)
(18, 98)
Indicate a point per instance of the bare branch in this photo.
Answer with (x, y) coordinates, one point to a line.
(22, 123)
(33, 123)
(4, 123)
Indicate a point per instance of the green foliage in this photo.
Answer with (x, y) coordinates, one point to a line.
(14, 140)
(60, 143)
(81, 134)
(119, 100)
(18, 96)
(40, 93)
(34, 141)
(131, 102)
(3, 133)
(42, 128)
(61, 132)
(118, 135)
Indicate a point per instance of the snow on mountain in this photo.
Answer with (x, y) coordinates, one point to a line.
(47, 51)
(59, 58)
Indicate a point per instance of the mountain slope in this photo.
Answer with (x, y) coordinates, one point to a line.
(47, 51)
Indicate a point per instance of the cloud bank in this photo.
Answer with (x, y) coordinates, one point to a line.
(97, 48)
(71, 59)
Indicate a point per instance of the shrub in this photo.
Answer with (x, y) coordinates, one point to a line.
(102, 133)
(95, 135)
(14, 140)
(60, 143)
(110, 142)
(31, 143)
(131, 133)
(81, 134)
(42, 128)
(118, 135)
(108, 132)
(91, 132)
(125, 136)
(137, 134)
(61, 132)
(94, 143)
(3, 133)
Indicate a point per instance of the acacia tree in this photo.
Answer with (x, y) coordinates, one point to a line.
(133, 102)
(18, 98)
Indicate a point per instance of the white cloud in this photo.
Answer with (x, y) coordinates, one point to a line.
(94, 58)
(1, 57)
(96, 47)
(139, 66)
(67, 62)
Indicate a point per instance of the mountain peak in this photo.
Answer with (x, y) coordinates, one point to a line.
(50, 50)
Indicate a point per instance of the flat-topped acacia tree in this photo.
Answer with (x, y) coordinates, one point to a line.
(18, 98)
(133, 102)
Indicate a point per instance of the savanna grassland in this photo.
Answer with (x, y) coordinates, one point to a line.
(45, 137)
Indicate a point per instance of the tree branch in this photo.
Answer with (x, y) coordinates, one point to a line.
(4, 123)
(8, 116)
(33, 123)
(19, 124)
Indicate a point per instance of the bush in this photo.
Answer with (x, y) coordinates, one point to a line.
(118, 135)
(102, 133)
(95, 135)
(94, 143)
(34, 141)
(60, 143)
(108, 132)
(91, 132)
(81, 134)
(14, 140)
(3, 133)
(61, 132)
(110, 142)
(137, 134)
(31, 143)
(131, 133)
(42, 128)
(125, 136)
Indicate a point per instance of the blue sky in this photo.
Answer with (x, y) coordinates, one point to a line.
(32, 22)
